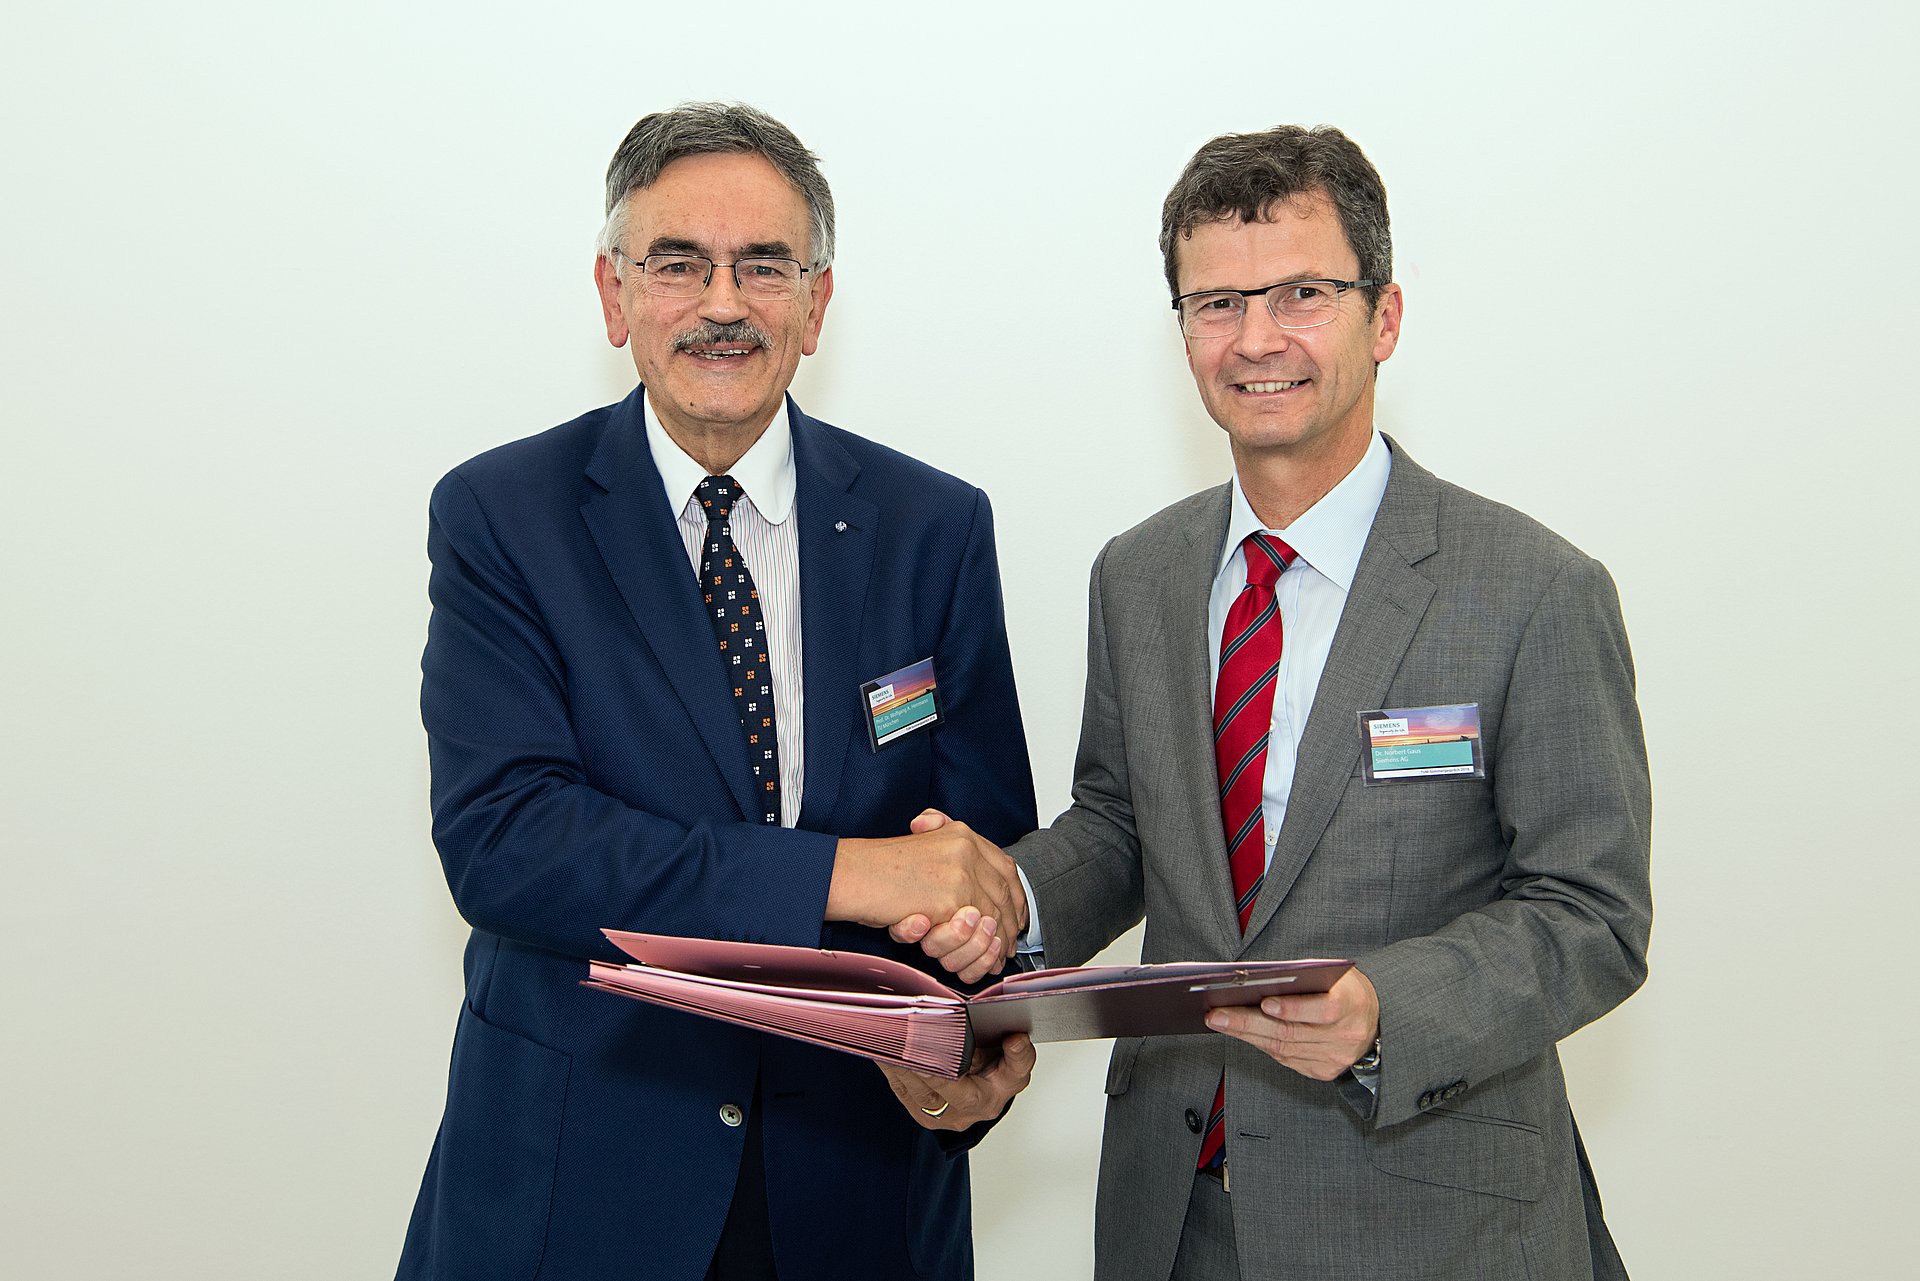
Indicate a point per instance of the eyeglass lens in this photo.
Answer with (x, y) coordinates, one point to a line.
(684, 275)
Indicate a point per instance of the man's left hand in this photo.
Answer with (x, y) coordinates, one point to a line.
(981, 1095)
(1319, 1035)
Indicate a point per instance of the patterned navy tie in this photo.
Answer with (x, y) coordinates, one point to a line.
(733, 603)
(1242, 717)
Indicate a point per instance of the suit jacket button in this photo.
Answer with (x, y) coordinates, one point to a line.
(1455, 1090)
(1193, 1120)
(1426, 1100)
(731, 1115)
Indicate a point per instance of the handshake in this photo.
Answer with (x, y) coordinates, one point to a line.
(956, 893)
(943, 886)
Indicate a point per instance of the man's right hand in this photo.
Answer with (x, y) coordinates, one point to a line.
(969, 944)
(934, 873)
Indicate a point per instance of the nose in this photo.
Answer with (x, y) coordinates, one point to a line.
(722, 300)
(1260, 334)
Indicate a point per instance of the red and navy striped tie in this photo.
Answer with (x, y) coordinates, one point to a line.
(1242, 719)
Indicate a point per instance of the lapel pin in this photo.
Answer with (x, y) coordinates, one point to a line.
(839, 526)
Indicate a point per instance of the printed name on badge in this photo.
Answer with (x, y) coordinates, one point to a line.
(900, 703)
(1417, 744)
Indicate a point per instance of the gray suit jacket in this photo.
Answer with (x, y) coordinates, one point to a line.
(1494, 916)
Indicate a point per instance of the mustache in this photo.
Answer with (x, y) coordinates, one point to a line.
(740, 332)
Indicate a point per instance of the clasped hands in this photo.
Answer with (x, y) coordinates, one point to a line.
(942, 871)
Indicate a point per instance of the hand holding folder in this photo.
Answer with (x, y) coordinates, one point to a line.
(892, 1013)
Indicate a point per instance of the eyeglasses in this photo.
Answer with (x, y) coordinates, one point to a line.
(687, 275)
(1295, 304)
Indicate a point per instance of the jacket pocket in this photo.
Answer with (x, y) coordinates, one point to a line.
(1467, 1150)
(497, 1153)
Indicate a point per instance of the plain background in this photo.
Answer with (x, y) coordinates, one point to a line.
(269, 270)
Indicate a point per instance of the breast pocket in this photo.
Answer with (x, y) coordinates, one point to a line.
(1436, 843)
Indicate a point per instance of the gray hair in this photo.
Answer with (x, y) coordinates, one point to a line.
(691, 128)
(1244, 175)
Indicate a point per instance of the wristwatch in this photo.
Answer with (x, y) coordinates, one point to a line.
(1370, 1061)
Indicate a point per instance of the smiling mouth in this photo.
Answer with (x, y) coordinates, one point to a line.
(717, 344)
(1272, 386)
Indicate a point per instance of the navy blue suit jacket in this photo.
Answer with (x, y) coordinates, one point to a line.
(588, 771)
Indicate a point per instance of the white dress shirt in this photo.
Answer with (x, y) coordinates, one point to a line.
(768, 538)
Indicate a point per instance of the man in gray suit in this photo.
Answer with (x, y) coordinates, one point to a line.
(1451, 787)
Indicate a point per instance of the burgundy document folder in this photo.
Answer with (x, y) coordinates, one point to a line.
(893, 1013)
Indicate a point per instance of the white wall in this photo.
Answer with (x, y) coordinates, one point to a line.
(267, 270)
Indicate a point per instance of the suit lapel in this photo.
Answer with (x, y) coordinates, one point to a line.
(1184, 583)
(639, 540)
(1382, 613)
(837, 532)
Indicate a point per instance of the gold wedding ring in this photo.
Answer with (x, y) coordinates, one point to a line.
(939, 1111)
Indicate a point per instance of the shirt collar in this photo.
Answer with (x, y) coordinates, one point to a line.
(1329, 535)
(765, 471)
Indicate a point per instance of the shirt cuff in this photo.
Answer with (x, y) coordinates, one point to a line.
(1029, 943)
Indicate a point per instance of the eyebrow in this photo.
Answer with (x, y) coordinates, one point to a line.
(768, 249)
(675, 245)
(1299, 279)
(758, 249)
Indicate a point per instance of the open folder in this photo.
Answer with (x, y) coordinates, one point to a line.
(892, 1013)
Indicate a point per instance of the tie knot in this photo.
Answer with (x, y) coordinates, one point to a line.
(1267, 558)
(717, 495)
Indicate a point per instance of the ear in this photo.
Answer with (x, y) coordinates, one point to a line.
(822, 292)
(1386, 322)
(611, 303)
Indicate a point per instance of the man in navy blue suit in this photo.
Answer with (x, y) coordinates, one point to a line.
(643, 693)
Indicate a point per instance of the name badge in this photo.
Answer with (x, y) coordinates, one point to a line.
(1416, 744)
(900, 703)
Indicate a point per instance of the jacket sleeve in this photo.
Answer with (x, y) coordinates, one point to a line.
(1566, 940)
(1085, 867)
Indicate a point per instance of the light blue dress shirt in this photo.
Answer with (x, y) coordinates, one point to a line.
(1329, 537)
